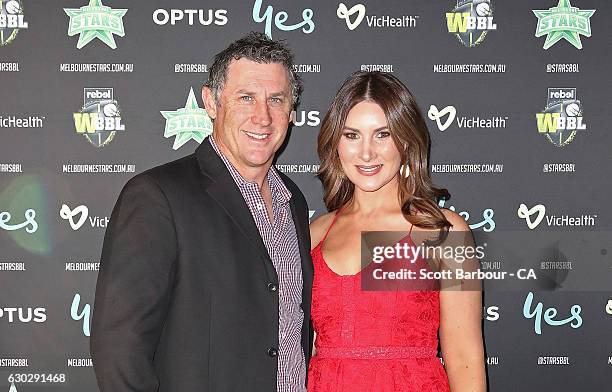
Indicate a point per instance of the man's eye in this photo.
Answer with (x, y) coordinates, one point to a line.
(246, 98)
(276, 100)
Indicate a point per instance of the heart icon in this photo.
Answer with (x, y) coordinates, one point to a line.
(436, 115)
(526, 213)
(609, 307)
(68, 214)
(344, 13)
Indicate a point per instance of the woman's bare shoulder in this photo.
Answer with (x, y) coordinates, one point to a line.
(459, 224)
(319, 226)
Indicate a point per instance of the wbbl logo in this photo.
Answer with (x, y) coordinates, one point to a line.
(562, 116)
(470, 21)
(11, 20)
(100, 117)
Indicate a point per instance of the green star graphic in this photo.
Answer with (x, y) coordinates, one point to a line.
(96, 20)
(190, 122)
(563, 21)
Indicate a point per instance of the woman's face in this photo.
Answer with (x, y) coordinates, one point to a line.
(367, 152)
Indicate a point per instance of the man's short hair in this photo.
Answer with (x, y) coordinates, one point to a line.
(256, 47)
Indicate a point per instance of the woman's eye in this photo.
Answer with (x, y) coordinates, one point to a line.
(384, 134)
(350, 135)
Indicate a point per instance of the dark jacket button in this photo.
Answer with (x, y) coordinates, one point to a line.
(273, 352)
(272, 287)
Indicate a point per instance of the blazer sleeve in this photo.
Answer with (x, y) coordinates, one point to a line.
(133, 289)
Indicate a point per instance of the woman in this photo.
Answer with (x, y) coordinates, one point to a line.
(383, 340)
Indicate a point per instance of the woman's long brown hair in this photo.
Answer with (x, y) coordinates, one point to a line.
(410, 135)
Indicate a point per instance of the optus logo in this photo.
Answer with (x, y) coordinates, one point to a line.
(190, 17)
(306, 117)
(23, 315)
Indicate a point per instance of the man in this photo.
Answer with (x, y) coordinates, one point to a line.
(205, 278)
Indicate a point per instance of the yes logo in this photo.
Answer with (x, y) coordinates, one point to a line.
(470, 21)
(84, 315)
(280, 18)
(526, 213)
(487, 216)
(343, 13)
(29, 224)
(549, 314)
(96, 20)
(69, 215)
(436, 115)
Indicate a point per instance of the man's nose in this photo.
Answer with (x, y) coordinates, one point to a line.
(261, 115)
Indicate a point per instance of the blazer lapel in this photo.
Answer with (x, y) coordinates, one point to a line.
(224, 190)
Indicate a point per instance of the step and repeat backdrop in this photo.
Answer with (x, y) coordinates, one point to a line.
(515, 93)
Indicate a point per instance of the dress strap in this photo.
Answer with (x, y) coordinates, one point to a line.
(330, 226)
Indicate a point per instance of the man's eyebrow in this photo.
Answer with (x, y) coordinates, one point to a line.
(275, 94)
(280, 94)
(247, 92)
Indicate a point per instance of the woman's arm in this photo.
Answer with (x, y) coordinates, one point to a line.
(461, 325)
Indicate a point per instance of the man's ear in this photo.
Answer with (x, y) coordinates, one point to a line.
(209, 102)
(292, 116)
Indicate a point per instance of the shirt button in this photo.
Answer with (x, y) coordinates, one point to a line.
(273, 352)
(272, 287)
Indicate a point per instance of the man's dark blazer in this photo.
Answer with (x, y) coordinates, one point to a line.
(187, 296)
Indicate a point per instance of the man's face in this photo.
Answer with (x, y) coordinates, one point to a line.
(253, 113)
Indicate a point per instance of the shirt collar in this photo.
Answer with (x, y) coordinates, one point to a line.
(280, 193)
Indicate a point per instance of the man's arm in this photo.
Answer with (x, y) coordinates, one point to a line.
(133, 289)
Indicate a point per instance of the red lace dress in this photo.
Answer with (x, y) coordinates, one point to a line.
(383, 341)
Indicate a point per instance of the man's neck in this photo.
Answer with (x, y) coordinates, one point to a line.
(252, 174)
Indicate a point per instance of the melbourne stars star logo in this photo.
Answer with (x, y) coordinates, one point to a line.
(190, 122)
(563, 21)
(96, 20)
